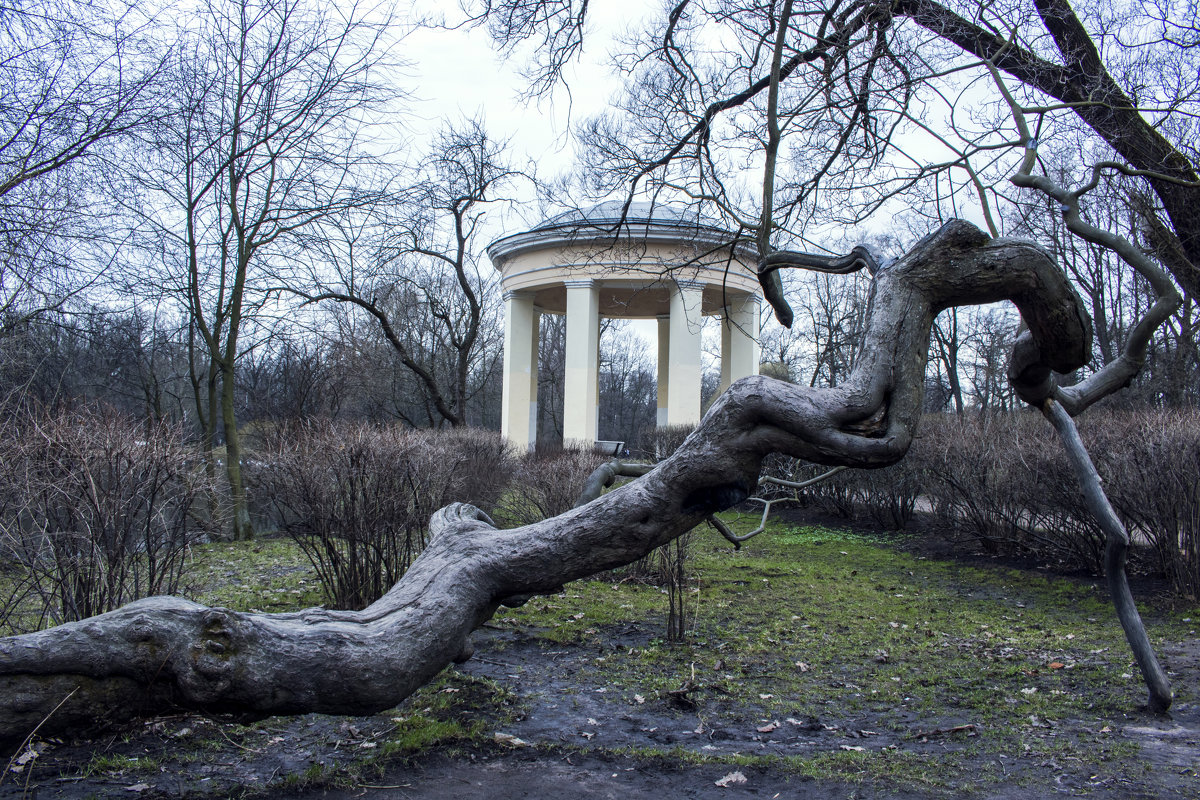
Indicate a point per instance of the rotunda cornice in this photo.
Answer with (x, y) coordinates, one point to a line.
(602, 228)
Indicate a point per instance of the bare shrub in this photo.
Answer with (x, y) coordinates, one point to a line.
(837, 496)
(888, 496)
(1055, 524)
(357, 498)
(1005, 480)
(547, 483)
(1001, 480)
(481, 464)
(655, 444)
(966, 459)
(1150, 461)
(672, 560)
(95, 511)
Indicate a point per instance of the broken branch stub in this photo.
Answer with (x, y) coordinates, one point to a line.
(165, 653)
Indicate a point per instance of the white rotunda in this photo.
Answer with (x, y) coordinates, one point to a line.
(650, 263)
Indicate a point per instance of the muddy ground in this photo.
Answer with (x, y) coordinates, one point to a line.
(560, 734)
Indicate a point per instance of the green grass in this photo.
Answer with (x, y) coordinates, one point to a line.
(801, 623)
(270, 575)
(835, 626)
(455, 709)
(119, 765)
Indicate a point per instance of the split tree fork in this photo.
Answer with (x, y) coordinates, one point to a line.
(164, 653)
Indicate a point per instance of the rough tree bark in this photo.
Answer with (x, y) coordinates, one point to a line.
(165, 652)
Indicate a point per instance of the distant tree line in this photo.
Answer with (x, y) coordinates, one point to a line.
(205, 220)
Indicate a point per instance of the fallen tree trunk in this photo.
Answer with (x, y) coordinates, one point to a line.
(163, 653)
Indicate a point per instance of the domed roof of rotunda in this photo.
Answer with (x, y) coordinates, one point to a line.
(614, 212)
(611, 223)
(633, 256)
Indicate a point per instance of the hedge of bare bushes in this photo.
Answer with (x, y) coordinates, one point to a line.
(655, 444)
(546, 483)
(1003, 480)
(357, 498)
(96, 510)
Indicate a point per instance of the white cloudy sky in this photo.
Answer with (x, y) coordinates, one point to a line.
(457, 73)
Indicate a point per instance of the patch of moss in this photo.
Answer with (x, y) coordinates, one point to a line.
(453, 709)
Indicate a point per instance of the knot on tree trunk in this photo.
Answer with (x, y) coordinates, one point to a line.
(460, 517)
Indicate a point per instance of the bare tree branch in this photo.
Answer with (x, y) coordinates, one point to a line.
(163, 650)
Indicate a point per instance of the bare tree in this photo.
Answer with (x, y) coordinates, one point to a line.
(1152, 47)
(841, 77)
(75, 77)
(854, 108)
(268, 103)
(948, 345)
(552, 365)
(413, 265)
(627, 384)
(819, 347)
(287, 379)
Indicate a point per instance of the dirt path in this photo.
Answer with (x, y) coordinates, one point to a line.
(585, 776)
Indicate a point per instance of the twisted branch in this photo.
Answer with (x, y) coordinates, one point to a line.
(162, 653)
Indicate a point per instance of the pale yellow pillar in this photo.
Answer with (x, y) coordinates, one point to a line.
(518, 403)
(683, 372)
(664, 377)
(535, 330)
(581, 383)
(739, 339)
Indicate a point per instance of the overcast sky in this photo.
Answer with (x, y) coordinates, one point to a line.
(457, 73)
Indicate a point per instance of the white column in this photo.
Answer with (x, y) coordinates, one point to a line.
(739, 340)
(518, 404)
(683, 372)
(726, 342)
(581, 383)
(664, 377)
(535, 330)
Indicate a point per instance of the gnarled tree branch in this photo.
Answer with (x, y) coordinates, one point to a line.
(1115, 551)
(164, 652)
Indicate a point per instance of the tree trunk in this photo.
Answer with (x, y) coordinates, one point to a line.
(948, 347)
(242, 530)
(164, 652)
(205, 417)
